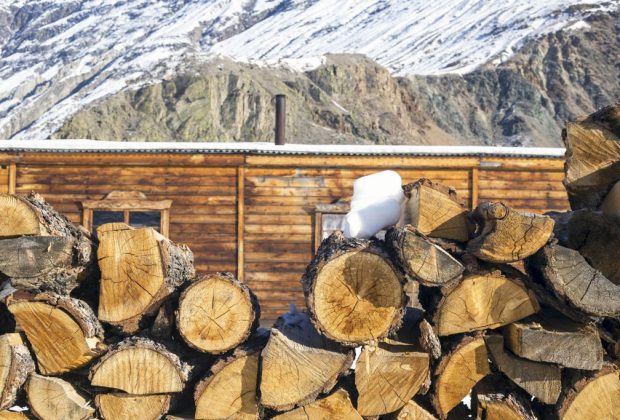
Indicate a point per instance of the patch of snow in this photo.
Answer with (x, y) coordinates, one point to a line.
(340, 107)
(579, 25)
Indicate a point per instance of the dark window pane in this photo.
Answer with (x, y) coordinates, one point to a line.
(101, 217)
(140, 219)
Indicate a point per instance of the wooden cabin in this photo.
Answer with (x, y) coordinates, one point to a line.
(256, 209)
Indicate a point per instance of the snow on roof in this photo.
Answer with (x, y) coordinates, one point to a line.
(95, 146)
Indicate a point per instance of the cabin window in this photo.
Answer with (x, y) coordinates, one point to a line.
(328, 218)
(131, 207)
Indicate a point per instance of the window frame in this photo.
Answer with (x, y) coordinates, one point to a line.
(341, 206)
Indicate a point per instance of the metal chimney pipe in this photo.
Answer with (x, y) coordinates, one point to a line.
(280, 119)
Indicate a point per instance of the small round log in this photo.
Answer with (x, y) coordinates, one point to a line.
(353, 292)
(217, 313)
(336, 406)
(52, 398)
(15, 365)
(132, 407)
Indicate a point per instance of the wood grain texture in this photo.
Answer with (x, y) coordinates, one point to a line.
(132, 407)
(336, 406)
(52, 398)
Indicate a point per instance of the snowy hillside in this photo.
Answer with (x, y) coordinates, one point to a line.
(58, 56)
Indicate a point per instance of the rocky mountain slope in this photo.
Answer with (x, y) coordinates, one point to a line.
(462, 71)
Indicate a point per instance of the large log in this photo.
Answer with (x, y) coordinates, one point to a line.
(353, 292)
(336, 406)
(139, 269)
(140, 366)
(435, 210)
(553, 338)
(52, 398)
(483, 301)
(64, 332)
(506, 235)
(572, 280)
(541, 380)
(298, 363)
(592, 157)
(457, 373)
(15, 365)
(217, 313)
(594, 396)
(388, 375)
(118, 406)
(421, 259)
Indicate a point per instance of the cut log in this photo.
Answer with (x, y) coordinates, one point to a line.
(495, 399)
(353, 292)
(64, 332)
(298, 363)
(132, 407)
(421, 259)
(541, 380)
(140, 366)
(592, 157)
(481, 302)
(506, 235)
(572, 280)
(229, 389)
(52, 398)
(387, 376)
(594, 396)
(12, 415)
(336, 406)
(553, 338)
(611, 204)
(139, 269)
(217, 313)
(15, 366)
(411, 411)
(434, 210)
(458, 372)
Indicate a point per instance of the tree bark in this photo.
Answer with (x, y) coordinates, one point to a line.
(494, 398)
(52, 398)
(15, 365)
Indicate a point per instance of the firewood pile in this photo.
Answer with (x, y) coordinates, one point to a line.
(489, 314)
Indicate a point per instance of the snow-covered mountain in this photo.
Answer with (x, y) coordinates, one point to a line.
(57, 57)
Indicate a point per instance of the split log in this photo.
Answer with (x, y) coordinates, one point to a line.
(573, 281)
(387, 376)
(611, 204)
(592, 157)
(229, 389)
(15, 366)
(298, 363)
(594, 396)
(434, 210)
(494, 398)
(217, 313)
(52, 398)
(458, 372)
(132, 407)
(506, 235)
(336, 406)
(353, 292)
(411, 411)
(550, 337)
(12, 415)
(483, 301)
(140, 366)
(64, 332)
(421, 259)
(139, 269)
(541, 380)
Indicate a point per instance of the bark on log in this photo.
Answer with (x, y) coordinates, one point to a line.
(217, 313)
(541, 380)
(52, 398)
(15, 365)
(64, 332)
(140, 366)
(553, 338)
(434, 210)
(387, 376)
(139, 269)
(594, 396)
(132, 407)
(353, 292)
(411, 411)
(572, 280)
(496, 399)
(458, 372)
(421, 259)
(506, 235)
(298, 363)
(229, 389)
(336, 406)
(592, 157)
(483, 301)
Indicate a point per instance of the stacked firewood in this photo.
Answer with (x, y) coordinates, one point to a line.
(490, 314)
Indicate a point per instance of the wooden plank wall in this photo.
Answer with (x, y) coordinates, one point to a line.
(4, 178)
